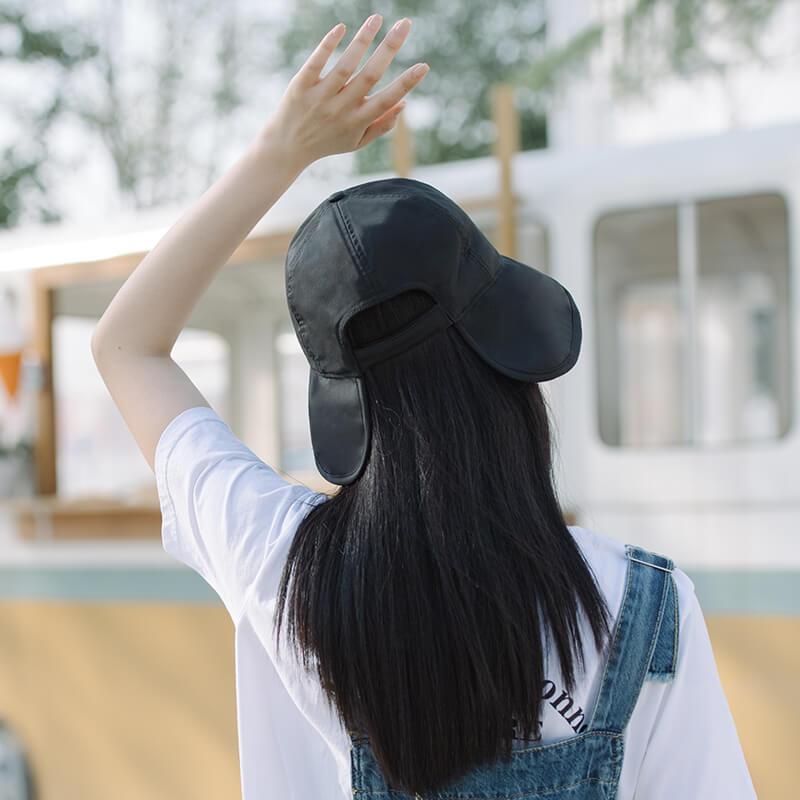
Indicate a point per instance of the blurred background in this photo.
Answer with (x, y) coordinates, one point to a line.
(645, 152)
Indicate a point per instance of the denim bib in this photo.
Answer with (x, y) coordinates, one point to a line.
(644, 647)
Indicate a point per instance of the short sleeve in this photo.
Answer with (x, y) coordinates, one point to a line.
(222, 507)
(694, 749)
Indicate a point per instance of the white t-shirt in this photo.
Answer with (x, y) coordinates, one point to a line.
(231, 517)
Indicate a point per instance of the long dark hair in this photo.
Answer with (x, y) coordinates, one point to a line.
(425, 594)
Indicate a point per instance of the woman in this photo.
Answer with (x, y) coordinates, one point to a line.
(434, 628)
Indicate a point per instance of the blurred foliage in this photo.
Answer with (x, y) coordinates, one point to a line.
(165, 131)
(23, 162)
(658, 39)
(22, 450)
(168, 116)
(469, 46)
(161, 109)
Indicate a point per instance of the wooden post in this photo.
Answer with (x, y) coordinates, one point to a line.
(402, 148)
(506, 143)
(45, 445)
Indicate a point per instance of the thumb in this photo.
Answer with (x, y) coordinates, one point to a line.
(382, 125)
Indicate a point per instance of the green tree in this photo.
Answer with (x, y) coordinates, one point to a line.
(472, 46)
(57, 51)
(156, 106)
(159, 110)
(164, 118)
(469, 46)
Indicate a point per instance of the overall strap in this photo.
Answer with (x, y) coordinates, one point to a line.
(645, 641)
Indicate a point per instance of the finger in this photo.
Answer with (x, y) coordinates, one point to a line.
(346, 65)
(374, 107)
(309, 73)
(373, 69)
(382, 125)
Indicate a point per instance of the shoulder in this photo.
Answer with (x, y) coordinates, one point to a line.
(225, 512)
(608, 561)
(199, 441)
(598, 549)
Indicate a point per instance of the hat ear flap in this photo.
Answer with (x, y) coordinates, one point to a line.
(339, 426)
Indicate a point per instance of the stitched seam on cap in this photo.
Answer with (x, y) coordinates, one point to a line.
(471, 251)
(436, 206)
(356, 251)
(290, 293)
(301, 328)
(466, 251)
(483, 291)
(359, 258)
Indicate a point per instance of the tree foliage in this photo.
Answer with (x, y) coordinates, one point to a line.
(24, 159)
(166, 131)
(158, 114)
(469, 46)
(167, 118)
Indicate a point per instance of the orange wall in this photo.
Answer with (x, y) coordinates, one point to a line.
(758, 659)
(136, 701)
(122, 701)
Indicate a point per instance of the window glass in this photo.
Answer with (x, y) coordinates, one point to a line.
(95, 452)
(743, 319)
(638, 328)
(728, 308)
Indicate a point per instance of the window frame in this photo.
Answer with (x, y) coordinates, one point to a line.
(688, 274)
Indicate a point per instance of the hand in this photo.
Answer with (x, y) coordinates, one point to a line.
(321, 116)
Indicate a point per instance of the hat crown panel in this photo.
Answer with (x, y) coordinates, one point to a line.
(362, 247)
(417, 242)
(321, 280)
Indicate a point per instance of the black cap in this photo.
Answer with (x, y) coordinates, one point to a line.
(378, 239)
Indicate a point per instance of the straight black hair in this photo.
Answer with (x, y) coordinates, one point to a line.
(427, 594)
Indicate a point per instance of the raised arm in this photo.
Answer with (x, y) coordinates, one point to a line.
(317, 116)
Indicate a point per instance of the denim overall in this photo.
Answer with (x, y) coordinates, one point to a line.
(644, 647)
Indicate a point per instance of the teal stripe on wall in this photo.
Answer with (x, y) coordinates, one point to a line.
(742, 592)
(144, 584)
(728, 592)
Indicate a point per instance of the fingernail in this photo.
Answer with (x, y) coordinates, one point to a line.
(374, 22)
(420, 69)
(402, 26)
(336, 29)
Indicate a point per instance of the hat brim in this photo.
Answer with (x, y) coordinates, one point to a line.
(525, 324)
